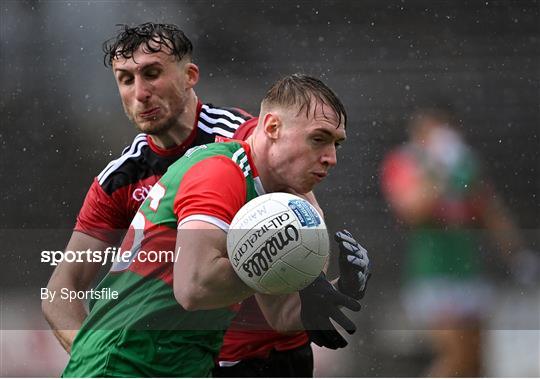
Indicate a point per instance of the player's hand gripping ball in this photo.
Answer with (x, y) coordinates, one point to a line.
(278, 243)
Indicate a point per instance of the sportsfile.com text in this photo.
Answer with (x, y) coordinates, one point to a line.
(109, 255)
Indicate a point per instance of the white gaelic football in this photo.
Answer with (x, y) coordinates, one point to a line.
(277, 243)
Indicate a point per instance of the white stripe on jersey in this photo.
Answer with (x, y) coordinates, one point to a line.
(204, 118)
(206, 218)
(134, 151)
(236, 154)
(216, 130)
(137, 138)
(224, 126)
(243, 163)
(223, 112)
(127, 150)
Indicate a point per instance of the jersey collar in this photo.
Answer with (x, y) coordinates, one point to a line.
(258, 184)
(178, 149)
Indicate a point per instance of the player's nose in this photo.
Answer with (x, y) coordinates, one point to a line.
(329, 157)
(142, 90)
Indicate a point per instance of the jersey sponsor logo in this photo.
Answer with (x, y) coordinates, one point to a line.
(141, 193)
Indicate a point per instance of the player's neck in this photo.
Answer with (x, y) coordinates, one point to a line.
(260, 160)
(181, 130)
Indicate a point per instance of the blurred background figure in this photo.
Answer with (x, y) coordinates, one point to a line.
(435, 185)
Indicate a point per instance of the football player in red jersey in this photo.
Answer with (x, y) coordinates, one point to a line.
(153, 68)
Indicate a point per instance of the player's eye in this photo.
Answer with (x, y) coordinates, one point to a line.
(152, 73)
(338, 145)
(125, 79)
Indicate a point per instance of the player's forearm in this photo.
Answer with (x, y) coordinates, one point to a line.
(214, 287)
(282, 312)
(65, 318)
(65, 337)
(203, 275)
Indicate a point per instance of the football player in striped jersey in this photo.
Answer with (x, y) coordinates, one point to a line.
(153, 68)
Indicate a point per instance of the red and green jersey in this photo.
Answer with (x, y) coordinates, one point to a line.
(444, 241)
(249, 336)
(145, 332)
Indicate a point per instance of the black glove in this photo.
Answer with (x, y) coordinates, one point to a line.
(354, 266)
(320, 302)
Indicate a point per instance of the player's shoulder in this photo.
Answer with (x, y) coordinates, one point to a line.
(126, 166)
(211, 161)
(230, 149)
(224, 152)
(222, 121)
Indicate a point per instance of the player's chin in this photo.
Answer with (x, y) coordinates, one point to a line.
(306, 186)
(152, 127)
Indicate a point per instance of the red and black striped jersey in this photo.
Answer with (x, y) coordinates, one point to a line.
(118, 191)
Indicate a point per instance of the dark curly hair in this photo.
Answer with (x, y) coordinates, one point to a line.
(299, 90)
(152, 36)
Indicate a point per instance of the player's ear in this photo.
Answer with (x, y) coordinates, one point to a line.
(192, 73)
(271, 125)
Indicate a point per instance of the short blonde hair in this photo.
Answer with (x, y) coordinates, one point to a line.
(300, 90)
